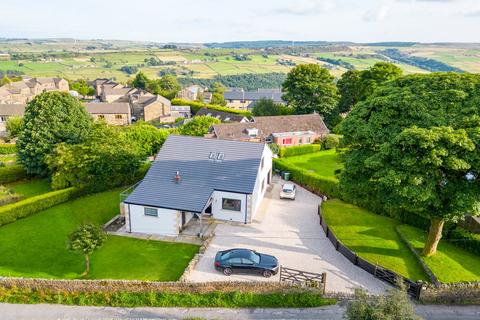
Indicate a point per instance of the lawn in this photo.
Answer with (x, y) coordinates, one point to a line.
(372, 237)
(30, 188)
(450, 263)
(36, 246)
(323, 163)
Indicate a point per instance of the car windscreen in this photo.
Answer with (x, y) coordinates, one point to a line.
(287, 190)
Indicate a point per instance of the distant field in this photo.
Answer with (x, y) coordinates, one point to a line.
(207, 63)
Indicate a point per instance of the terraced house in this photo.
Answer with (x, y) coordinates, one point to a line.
(21, 92)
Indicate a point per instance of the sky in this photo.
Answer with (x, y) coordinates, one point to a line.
(197, 21)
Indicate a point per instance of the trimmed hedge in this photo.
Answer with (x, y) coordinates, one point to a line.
(465, 239)
(310, 180)
(8, 148)
(12, 173)
(195, 106)
(12, 212)
(299, 150)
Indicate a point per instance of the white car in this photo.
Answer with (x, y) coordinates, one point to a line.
(288, 191)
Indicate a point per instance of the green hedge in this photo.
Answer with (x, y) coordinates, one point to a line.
(465, 239)
(166, 299)
(299, 150)
(12, 212)
(12, 173)
(195, 106)
(8, 148)
(310, 180)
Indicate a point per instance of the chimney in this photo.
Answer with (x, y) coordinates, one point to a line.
(178, 177)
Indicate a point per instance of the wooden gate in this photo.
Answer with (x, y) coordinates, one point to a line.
(303, 278)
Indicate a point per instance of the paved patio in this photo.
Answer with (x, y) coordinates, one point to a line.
(290, 230)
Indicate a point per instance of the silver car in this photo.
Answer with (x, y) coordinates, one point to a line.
(288, 191)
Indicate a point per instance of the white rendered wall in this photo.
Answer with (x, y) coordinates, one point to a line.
(167, 222)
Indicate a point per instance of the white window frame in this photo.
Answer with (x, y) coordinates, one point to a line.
(150, 215)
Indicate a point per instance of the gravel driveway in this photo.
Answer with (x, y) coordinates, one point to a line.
(289, 230)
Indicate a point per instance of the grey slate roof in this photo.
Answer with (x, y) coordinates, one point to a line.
(222, 116)
(200, 176)
(273, 94)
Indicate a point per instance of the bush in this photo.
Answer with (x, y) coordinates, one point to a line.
(310, 180)
(332, 141)
(465, 239)
(12, 212)
(12, 173)
(274, 148)
(7, 148)
(195, 106)
(299, 150)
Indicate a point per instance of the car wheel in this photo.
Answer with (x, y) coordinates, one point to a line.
(267, 273)
(227, 271)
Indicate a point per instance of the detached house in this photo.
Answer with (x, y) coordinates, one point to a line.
(112, 113)
(192, 177)
(241, 99)
(282, 130)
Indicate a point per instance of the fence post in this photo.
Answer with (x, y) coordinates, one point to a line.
(356, 259)
(280, 278)
(328, 230)
(324, 278)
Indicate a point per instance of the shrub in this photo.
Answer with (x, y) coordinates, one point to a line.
(310, 180)
(465, 239)
(332, 141)
(195, 106)
(274, 148)
(7, 148)
(12, 212)
(12, 173)
(299, 150)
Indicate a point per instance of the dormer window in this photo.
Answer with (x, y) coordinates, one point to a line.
(253, 132)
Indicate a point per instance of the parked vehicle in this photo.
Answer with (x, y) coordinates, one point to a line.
(288, 191)
(246, 261)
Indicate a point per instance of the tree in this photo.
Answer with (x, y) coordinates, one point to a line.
(394, 305)
(14, 126)
(82, 87)
(310, 88)
(375, 76)
(105, 161)
(413, 146)
(86, 239)
(198, 126)
(349, 88)
(268, 107)
(218, 99)
(140, 81)
(50, 118)
(167, 86)
(218, 87)
(148, 138)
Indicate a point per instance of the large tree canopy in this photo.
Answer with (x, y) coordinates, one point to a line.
(414, 145)
(310, 88)
(50, 118)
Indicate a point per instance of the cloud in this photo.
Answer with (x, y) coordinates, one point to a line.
(375, 15)
(475, 13)
(305, 7)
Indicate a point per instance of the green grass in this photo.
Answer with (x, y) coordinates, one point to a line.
(372, 237)
(8, 158)
(450, 263)
(36, 246)
(323, 163)
(30, 188)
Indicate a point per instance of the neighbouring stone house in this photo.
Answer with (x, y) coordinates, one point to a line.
(283, 130)
(21, 92)
(7, 111)
(117, 113)
(193, 93)
(181, 111)
(245, 100)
